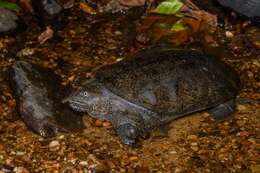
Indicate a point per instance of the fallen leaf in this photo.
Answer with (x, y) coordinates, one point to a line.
(86, 8)
(169, 7)
(178, 26)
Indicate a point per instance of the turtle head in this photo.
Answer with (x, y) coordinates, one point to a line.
(90, 98)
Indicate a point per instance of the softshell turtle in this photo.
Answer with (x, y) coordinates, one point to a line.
(155, 87)
(38, 95)
(249, 8)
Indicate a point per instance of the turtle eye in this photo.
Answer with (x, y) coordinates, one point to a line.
(85, 94)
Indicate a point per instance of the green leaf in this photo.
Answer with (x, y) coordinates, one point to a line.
(9, 5)
(178, 26)
(163, 25)
(169, 7)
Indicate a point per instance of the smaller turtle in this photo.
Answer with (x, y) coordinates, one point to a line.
(158, 85)
(38, 93)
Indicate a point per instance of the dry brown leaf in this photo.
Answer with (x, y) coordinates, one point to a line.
(86, 8)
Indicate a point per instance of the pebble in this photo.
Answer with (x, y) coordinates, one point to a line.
(20, 170)
(110, 164)
(255, 168)
(257, 44)
(98, 123)
(252, 140)
(9, 161)
(61, 137)
(119, 59)
(25, 52)
(85, 141)
(20, 153)
(100, 168)
(8, 21)
(192, 137)
(194, 146)
(83, 163)
(250, 74)
(173, 152)
(54, 145)
(125, 161)
(133, 158)
(229, 34)
(71, 78)
(177, 170)
(118, 33)
(1, 44)
(106, 124)
(241, 107)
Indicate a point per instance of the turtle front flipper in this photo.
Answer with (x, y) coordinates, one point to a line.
(223, 110)
(45, 127)
(127, 122)
(128, 133)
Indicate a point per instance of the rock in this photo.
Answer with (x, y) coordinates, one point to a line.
(114, 6)
(118, 33)
(253, 35)
(177, 170)
(241, 107)
(173, 152)
(49, 13)
(229, 34)
(98, 123)
(10, 22)
(133, 158)
(192, 138)
(194, 146)
(100, 168)
(83, 163)
(106, 124)
(25, 52)
(110, 164)
(255, 168)
(20, 170)
(54, 145)
(51, 16)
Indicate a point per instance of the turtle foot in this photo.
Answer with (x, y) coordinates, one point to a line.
(223, 110)
(128, 134)
(45, 128)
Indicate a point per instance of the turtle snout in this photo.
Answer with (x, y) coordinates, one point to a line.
(128, 134)
(77, 102)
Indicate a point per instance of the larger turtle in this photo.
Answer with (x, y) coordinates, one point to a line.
(158, 85)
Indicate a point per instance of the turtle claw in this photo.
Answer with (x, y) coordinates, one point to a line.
(47, 128)
(128, 134)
